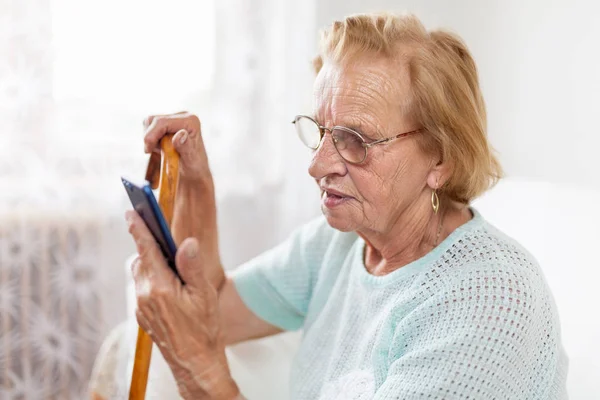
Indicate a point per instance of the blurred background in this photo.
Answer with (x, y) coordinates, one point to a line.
(78, 77)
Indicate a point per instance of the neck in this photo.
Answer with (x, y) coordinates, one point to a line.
(413, 234)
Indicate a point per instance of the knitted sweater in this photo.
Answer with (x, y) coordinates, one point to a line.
(472, 319)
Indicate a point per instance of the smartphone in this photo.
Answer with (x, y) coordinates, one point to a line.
(145, 204)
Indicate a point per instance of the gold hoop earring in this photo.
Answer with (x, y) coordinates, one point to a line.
(435, 201)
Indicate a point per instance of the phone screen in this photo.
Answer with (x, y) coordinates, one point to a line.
(145, 204)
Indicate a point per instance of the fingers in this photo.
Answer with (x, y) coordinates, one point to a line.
(190, 263)
(147, 247)
(150, 268)
(148, 120)
(144, 323)
(160, 337)
(135, 266)
(160, 125)
(187, 141)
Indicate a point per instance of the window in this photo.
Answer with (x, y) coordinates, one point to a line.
(77, 78)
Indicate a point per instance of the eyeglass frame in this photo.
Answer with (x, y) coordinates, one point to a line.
(366, 145)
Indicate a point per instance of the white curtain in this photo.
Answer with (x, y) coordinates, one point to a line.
(263, 77)
(76, 79)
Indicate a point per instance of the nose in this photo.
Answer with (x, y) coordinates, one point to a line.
(326, 160)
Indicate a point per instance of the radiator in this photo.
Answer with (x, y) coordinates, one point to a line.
(62, 289)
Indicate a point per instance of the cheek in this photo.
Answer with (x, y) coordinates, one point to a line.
(371, 186)
(408, 178)
(391, 179)
(399, 173)
(384, 186)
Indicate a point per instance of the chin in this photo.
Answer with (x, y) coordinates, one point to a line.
(343, 223)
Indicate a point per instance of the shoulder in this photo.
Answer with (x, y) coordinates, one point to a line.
(483, 250)
(486, 299)
(489, 252)
(493, 279)
(483, 273)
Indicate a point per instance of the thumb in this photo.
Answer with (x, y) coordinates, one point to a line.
(186, 142)
(191, 151)
(190, 263)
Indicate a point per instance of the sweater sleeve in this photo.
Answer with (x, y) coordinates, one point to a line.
(277, 285)
(476, 339)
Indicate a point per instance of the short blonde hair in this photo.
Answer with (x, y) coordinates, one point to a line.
(445, 97)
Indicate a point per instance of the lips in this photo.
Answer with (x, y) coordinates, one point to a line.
(333, 192)
(334, 198)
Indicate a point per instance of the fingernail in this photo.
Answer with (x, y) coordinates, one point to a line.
(184, 136)
(192, 250)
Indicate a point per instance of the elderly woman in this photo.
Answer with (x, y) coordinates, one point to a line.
(401, 289)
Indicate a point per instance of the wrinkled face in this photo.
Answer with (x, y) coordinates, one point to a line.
(367, 95)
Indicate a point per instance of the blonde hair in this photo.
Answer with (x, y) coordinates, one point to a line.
(444, 98)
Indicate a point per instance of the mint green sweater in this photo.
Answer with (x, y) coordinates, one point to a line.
(472, 319)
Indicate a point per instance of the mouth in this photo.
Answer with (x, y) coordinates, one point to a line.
(333, 198)
(334, 193)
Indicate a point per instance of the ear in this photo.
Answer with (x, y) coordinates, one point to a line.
(439, 174)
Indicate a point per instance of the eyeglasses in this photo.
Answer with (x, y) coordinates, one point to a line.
(350, 145)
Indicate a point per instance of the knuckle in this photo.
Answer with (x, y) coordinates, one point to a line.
(141, 319)
(131, 226)
(143, 302)
(157, 122)
(145, 247)
(159, 292)
(147, 121)
(135, 265)
(195, 120)
(149, 142)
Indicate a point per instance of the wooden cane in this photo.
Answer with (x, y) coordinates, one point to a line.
(162, 173)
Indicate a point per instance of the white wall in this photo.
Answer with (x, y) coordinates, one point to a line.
(539, 63)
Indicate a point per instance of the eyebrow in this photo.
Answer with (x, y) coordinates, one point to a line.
(356, 125)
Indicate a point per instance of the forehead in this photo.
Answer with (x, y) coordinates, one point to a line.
(366, 89)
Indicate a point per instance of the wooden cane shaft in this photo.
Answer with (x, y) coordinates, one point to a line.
(169, 173)
(141, 366)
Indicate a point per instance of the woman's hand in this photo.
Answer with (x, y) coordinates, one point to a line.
(194, 213)
(187, 140)
(182, 320)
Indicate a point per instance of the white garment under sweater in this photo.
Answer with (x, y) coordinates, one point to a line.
(472, 319)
